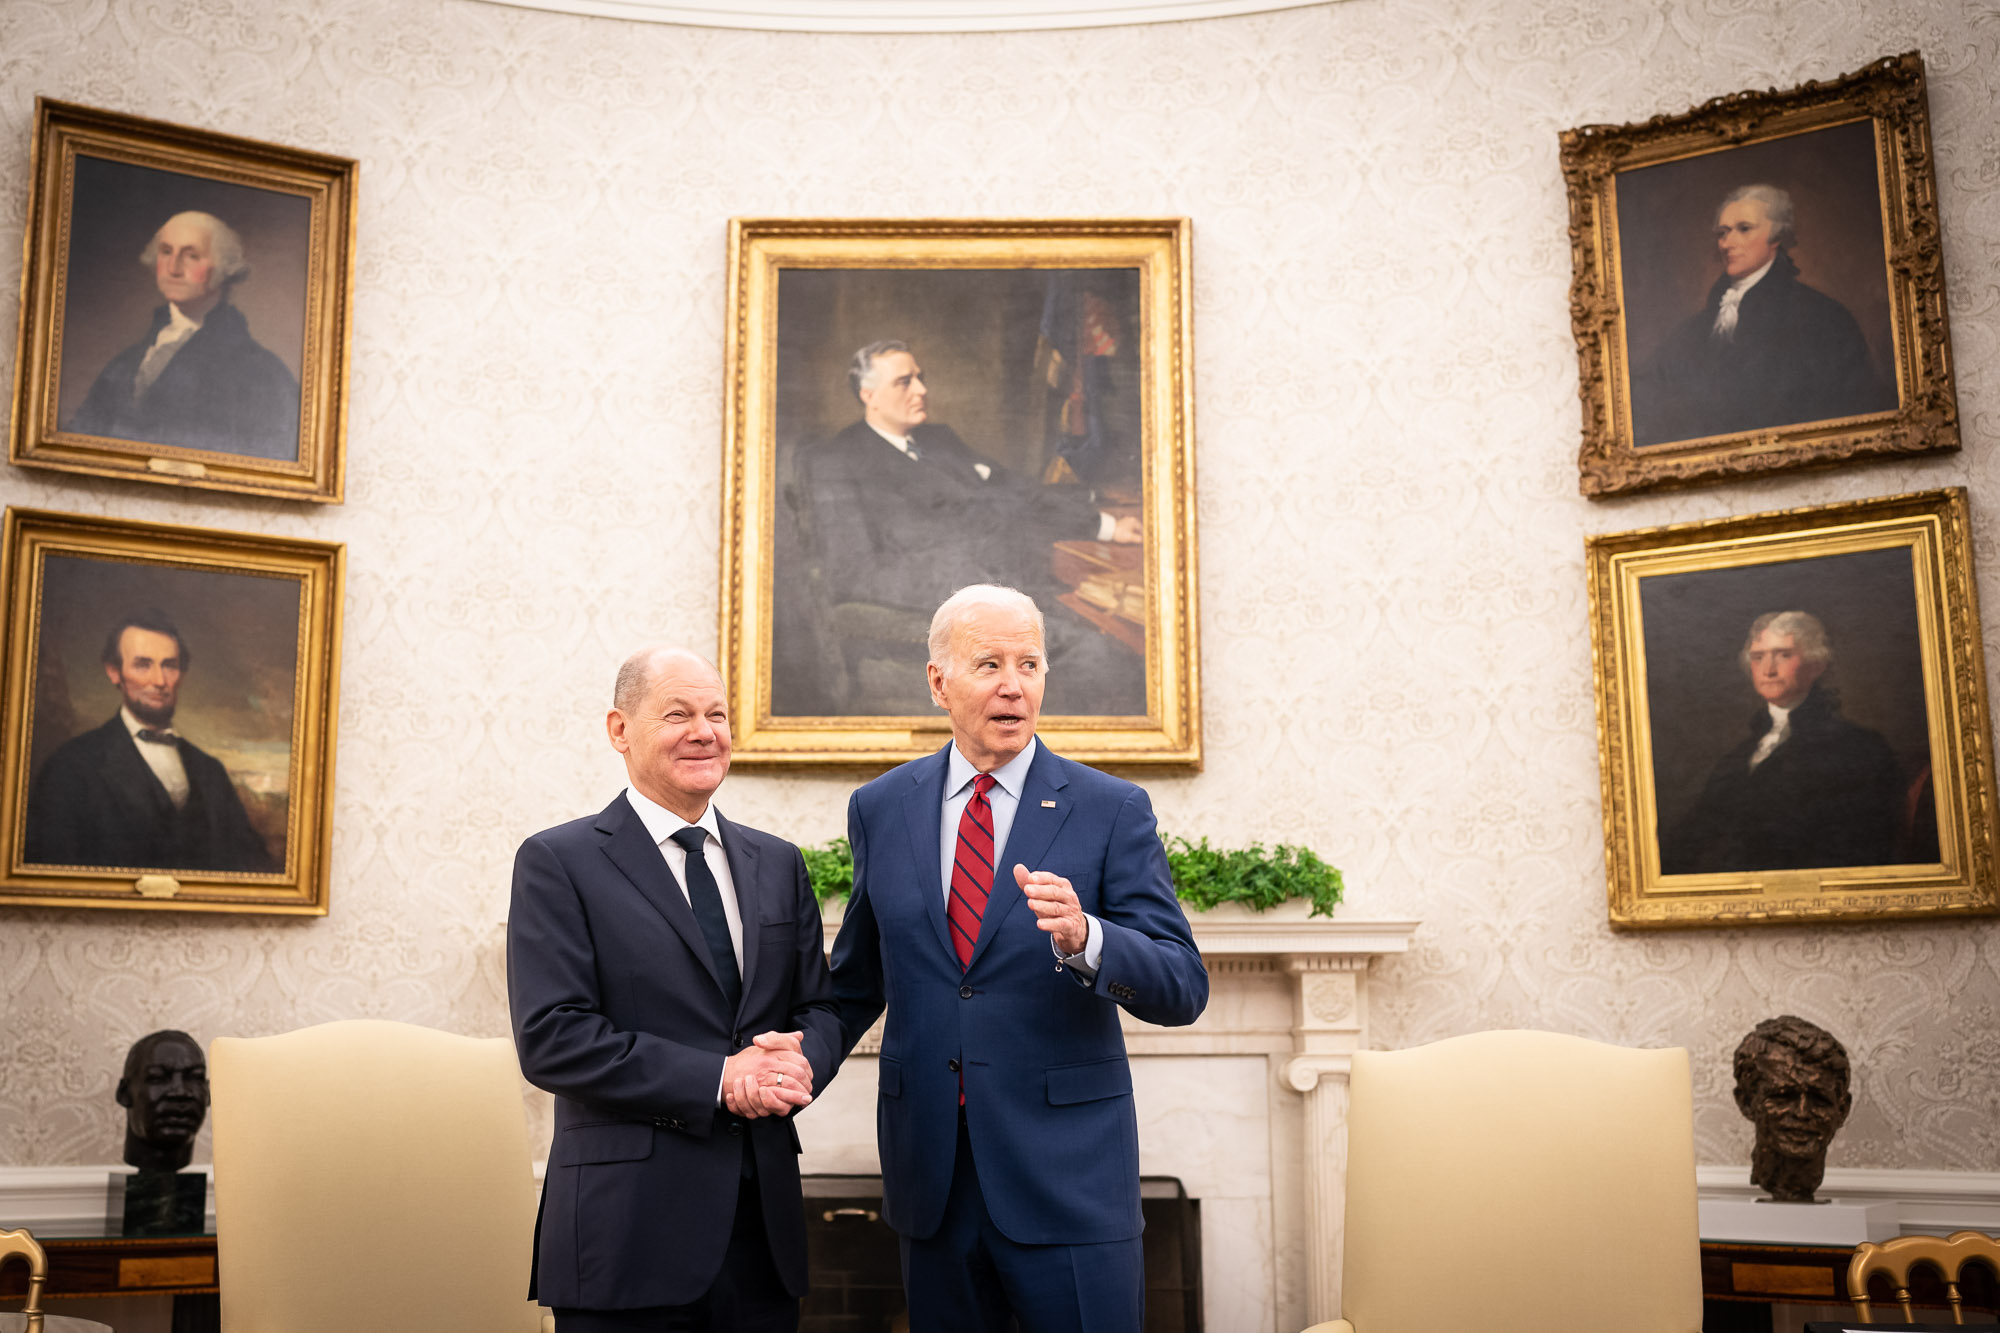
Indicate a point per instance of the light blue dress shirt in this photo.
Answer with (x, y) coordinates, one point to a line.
(1005, 799)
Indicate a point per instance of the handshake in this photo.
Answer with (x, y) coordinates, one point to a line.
(770, 1076)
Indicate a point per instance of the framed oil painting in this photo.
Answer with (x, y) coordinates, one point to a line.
(184, 307)
(167, 728)
(1759, 284)
(917, 406)
(1792, 717)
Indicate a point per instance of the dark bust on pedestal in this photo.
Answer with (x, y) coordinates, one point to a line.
(164, 1091)
(1792, 1082)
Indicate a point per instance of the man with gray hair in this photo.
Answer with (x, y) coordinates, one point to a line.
(667, 979)
(197, 379)
(1765, 350)
(1806, 788)
(1007, 904)
(898, 511)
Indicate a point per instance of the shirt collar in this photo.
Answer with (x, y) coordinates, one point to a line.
(1778, 715)
(135, 726)
(1009, 776)
(177, 319)
(902, 442)
(662, 823)
(1745, 283)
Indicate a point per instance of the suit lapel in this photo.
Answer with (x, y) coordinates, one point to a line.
(923, 816)
(1037, 818)
(744, 868)
(634, 853)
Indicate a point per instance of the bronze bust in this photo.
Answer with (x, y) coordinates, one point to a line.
(1792, 1082)
(165, 1095)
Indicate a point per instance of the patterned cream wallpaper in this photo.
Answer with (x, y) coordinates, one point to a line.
(1396, 659)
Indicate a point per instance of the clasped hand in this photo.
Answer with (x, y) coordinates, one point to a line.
(770, 1076)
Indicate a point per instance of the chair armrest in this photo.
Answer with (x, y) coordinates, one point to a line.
(548, 1323)
(1333, 1326)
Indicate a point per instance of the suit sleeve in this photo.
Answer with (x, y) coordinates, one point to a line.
(857, 950)
(813, 1013)
(567, 1044)
(1150, 964)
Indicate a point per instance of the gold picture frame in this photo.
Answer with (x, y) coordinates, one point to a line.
(1056, 357)
(1815, 334)
(216, 795)
(1863, 787)
(225, 370)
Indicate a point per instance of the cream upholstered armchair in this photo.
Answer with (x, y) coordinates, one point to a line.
(1517, 1182)
(371, 1174)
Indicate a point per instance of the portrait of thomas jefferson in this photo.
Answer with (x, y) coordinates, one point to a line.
(195, 377)
(1805, 787)
(1766, 349)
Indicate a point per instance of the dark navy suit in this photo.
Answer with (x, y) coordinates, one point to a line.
(618, 1010)
(1048, 1114)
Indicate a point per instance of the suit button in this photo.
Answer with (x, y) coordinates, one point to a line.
(735, 1128)
(736, 1040)
(965, 992)
(952, 1065)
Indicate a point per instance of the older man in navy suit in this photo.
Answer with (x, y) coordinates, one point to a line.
(668, 982)
(1006, 903)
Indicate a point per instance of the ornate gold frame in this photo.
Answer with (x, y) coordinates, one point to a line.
(300, 889)
(1891, 94)
(1935, 527)
(1160, 250)
(63, 132)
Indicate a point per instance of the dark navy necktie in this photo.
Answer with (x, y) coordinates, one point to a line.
(706, 899)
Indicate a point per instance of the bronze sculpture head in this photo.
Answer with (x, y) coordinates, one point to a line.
(164, 1091)
(1792, 1082)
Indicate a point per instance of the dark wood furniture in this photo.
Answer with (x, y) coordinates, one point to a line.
(1740, 1282)
(86, 1259)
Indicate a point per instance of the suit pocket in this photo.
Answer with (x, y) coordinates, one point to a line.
(1069, 1084)
(603, 1141)
(891, 1077)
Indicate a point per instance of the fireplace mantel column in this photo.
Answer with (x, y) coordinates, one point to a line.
(1328, 1025)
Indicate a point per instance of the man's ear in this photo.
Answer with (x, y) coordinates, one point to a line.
(614, 727)
(124, 1093)
(935, 675)
(113, 674)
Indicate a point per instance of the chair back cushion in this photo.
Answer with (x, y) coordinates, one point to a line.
(1521, 1181)
(371, 1175)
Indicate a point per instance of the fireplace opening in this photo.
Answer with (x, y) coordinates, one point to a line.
(857, 1275)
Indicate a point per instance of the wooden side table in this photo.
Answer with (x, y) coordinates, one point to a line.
(86, 1261)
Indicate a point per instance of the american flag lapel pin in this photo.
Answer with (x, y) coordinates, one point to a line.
(1048, 805)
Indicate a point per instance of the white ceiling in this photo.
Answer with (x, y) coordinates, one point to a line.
(909, 15)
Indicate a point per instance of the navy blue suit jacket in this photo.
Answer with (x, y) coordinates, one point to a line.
(1048, 1092)
(619, 1012)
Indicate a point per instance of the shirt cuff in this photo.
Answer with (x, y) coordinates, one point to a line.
(1106, 526)
(1084, 964)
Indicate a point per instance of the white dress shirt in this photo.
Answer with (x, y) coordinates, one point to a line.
(164, 760)
(661, 825)
(1004, 798)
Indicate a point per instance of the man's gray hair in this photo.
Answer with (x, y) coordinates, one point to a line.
(945, 622)
(1808, 635)
(861, 371)
(638, 672)
(1777, 207)
(225, 247)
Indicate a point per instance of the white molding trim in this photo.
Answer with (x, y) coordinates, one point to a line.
(1233, 930)
(44, 1195)
(885, 16)
(1928, 1202)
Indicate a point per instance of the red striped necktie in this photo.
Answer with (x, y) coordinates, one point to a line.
(971, 870)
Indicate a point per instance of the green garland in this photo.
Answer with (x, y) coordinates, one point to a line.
(1258, 877)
